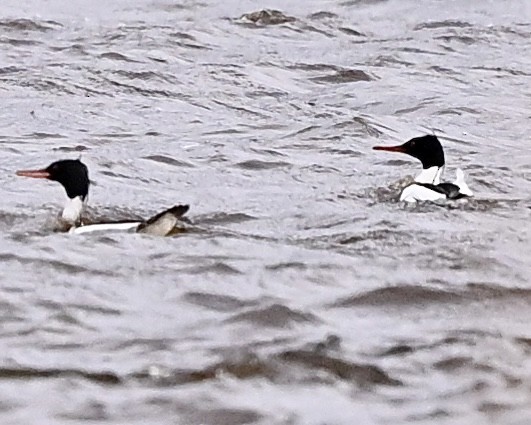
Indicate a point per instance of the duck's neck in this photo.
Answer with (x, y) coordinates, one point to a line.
(72, 210)
(430, 175)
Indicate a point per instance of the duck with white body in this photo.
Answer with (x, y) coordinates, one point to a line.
(72, 174)
(428, 186)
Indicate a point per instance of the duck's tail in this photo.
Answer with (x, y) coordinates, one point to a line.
(460, 182)
(164, 222)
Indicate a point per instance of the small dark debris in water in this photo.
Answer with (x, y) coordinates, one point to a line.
(267, 17)
(344, 76)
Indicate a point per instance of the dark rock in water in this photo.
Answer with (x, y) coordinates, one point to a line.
(267, 17)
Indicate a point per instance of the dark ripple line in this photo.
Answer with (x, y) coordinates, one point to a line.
(146, 92)
(274, 369)
(364, 375)
(442, 24)
(276, 315)
(24, 24)
(421, 295)
(217, 302)
(59, 265)
(107, 378)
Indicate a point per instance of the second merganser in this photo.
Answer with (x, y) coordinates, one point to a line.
(427, 185)
(72, 174)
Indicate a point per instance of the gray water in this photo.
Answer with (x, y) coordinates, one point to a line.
(303, 291)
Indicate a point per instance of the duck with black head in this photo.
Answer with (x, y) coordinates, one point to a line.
(427, 186)
(73, 175)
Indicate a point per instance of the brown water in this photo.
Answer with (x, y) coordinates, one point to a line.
(304, 293)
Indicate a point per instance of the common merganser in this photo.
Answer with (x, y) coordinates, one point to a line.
(428, 186)
(72, 174)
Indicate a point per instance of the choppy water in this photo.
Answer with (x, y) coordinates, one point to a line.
(304, 293)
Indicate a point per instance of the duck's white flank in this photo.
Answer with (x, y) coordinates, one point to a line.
(105, 227)
(415, 192)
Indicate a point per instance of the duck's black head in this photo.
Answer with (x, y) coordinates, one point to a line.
(427, 149)
(71, 173)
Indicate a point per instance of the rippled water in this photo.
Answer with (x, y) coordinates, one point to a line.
(303, 293)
